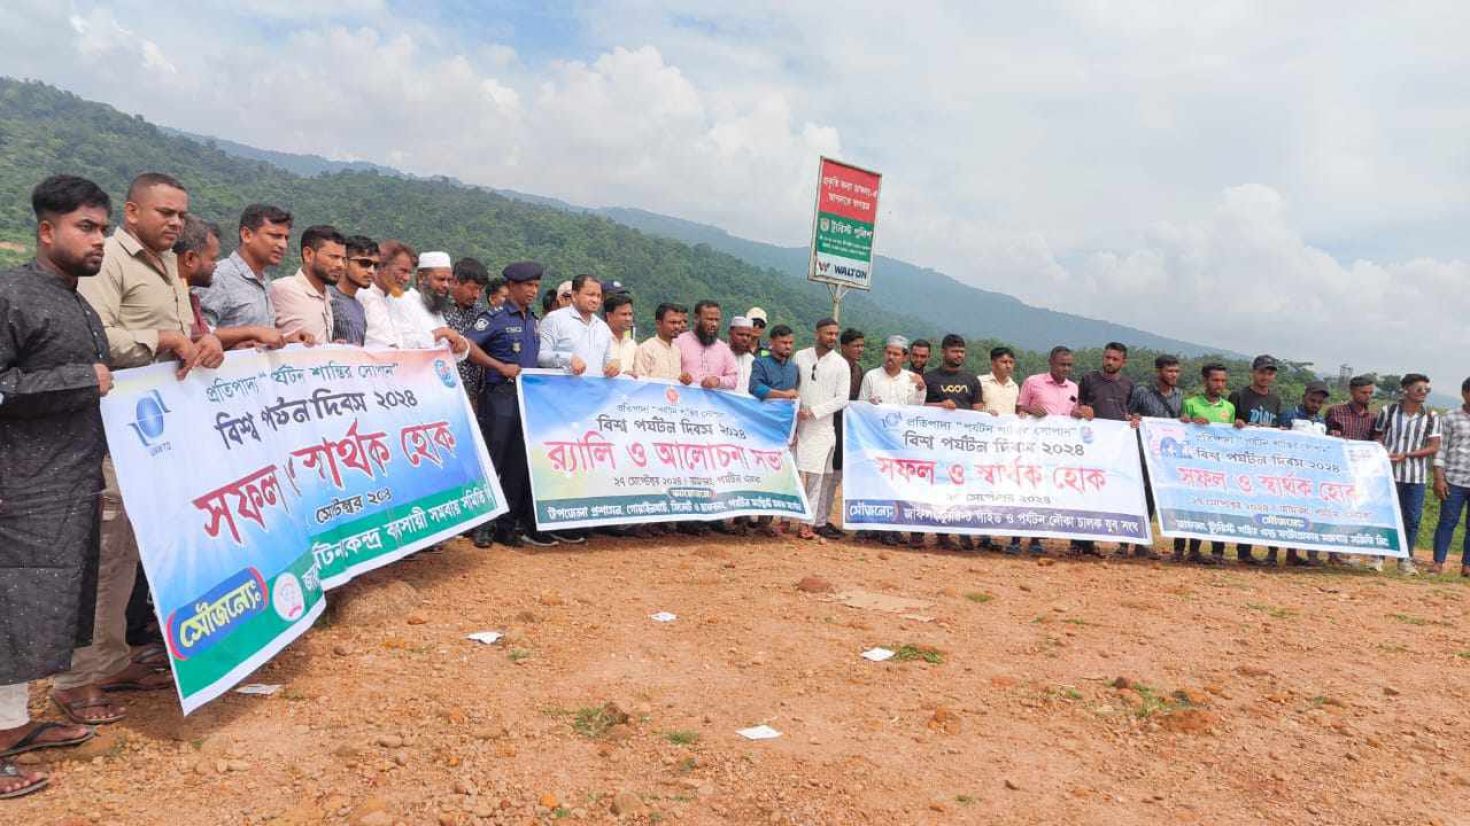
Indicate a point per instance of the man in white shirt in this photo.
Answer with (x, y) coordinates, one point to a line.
(617, 311)
(413, 320)
(826, 382)
(574, 338)
(890, 383)
(742, 344)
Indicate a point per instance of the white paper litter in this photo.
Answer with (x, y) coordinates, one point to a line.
(486, 637)
(662, 616)
(877, 655)
(258, 688)
(762, 732)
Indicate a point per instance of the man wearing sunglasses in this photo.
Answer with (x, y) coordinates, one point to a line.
(349, 316)
(826, 383)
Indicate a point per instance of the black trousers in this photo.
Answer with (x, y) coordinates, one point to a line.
(500, 423)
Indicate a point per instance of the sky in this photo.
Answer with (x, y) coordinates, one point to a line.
(1283, 177)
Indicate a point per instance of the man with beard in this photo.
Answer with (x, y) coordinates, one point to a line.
(742, 344)
(467, 294)
(919, 356)
(1159, 399)
(349, 315)
(1104, 394)
(301, 301)
(951, 387)
(239, 294)
(145, 308)
(657, 357)
(704, 359)
(415, 318)
(53, 370)
(823, 391)
(890, 383)
(574, 338)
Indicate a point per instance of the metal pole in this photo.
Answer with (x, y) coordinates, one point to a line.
(838, 291)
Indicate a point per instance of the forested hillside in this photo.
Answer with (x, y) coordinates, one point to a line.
(44, 130)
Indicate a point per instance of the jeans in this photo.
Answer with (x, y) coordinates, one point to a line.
(1411, 505)
(1449, 514)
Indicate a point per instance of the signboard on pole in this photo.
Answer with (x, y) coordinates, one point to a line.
(842, 230)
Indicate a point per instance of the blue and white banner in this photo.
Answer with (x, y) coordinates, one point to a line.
(1273, 487)
(910, 468)
(622, 451)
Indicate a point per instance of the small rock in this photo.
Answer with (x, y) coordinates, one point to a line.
(346, 752)
(944, 720)
(239, 766)
(1012, 785)
(462, 787)
(1045, 561)
(401, 758)
(1122, 682)
(1390, 691)
(341, 650)
(627, 804)
(815, 585)
(1251, 671)
(390, 741)
(370, 812)
(936, 806)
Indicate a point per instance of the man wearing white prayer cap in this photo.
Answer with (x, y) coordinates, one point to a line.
(742, 344)
(417, 316)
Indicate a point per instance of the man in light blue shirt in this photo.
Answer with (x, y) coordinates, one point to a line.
(575, 338)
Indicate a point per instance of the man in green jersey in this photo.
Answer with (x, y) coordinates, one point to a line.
(1210, 406)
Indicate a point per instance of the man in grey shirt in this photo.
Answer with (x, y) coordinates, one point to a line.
(239, 296)
(349, 317)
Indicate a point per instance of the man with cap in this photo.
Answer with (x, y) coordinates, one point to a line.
(564, 292)
(507, 340)
(416, 318)
(1257, 405)
(1307, 417)
(758, 321)
(574, 338)
(892, 384)
(825, 383)
(742, 344)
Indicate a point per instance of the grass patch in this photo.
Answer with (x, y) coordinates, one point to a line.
(1392, 647)
(909, 651)
(1154, 702)
(593, 722)
(561, 812)
(682, 738)
(518, 654)
(979, 596)
(964, 800)
(1275, 611)
(1464, 655)
(1076, 621)
(1410, 619)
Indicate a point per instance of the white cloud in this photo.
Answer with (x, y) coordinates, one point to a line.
(1093, 157)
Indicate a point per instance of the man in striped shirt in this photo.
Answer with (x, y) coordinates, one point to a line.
(1410, 433)
(1452, 481)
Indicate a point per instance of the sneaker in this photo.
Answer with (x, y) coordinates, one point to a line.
(1035, 548)
(945, 542)
(508, 539)
(916, 540)
(483, 536)
(830, 531)
(967, 544)
(890, 538)
(539, 539)
(1013, 549)
(988, 544)
(1407, 568)
(568, 537)
(1145, 552)
(1436, 567)
(1376, 564)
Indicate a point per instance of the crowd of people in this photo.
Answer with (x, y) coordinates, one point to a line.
(155, 290)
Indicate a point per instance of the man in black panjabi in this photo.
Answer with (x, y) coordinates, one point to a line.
(53, 371)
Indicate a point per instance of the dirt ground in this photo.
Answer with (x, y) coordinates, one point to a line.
(1245, 696)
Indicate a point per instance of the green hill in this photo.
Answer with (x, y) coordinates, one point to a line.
(44, 130)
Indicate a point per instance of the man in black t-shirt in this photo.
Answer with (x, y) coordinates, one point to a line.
(1104, 394)
(951, 387)
(1258, 406)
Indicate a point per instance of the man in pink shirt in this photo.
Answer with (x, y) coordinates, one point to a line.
(1051, 393)
(707, 361)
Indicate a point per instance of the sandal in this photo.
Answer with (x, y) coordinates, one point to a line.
(153, 655)
(154, 681)
(9, 772)
(33, 741)
(73, 710)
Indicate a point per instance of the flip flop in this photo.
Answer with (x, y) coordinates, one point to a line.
(153, 655)
(163, 680)
(32, 741)
(71, 709)
(9, 771)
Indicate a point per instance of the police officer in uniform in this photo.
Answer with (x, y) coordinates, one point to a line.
(507, 337)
